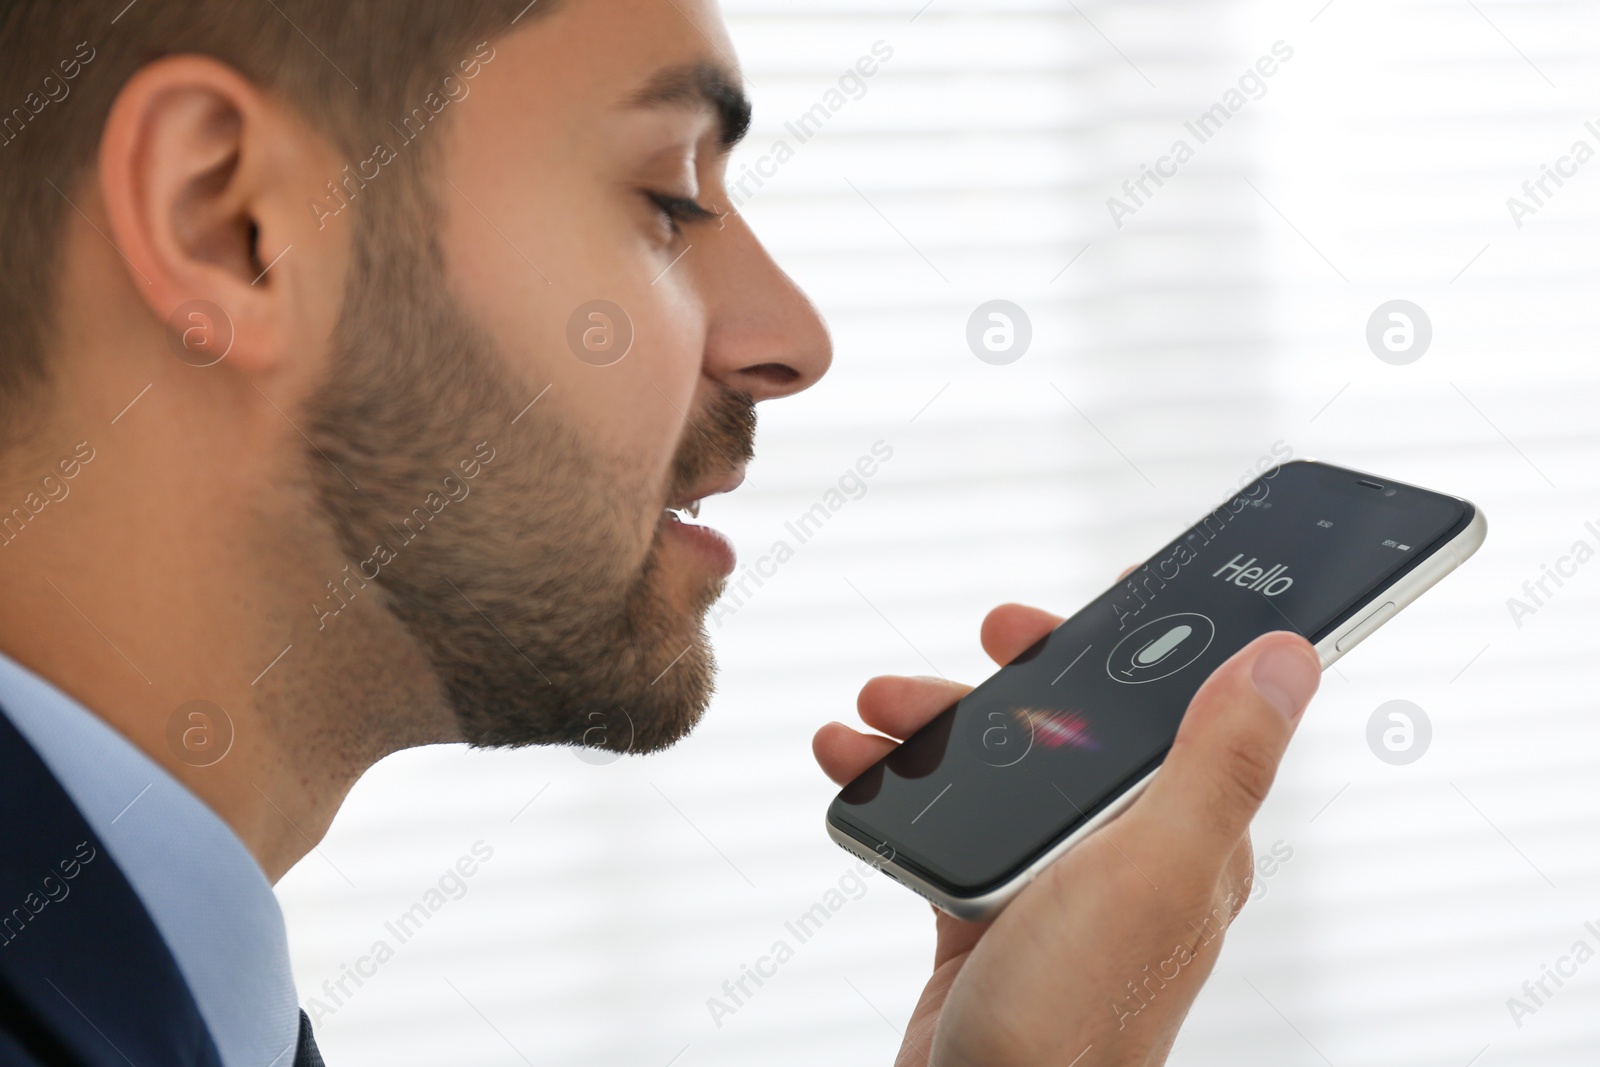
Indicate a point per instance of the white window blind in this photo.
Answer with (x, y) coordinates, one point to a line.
(1226, 314)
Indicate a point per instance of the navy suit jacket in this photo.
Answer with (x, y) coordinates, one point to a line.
(85, 977)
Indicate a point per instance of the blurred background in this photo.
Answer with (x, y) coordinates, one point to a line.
(1175, 340)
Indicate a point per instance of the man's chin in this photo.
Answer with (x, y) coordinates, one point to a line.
(668, 709)
(641, 694)
(677, 695)
(619, 732)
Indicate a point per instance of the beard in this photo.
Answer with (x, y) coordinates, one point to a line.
(524, 588)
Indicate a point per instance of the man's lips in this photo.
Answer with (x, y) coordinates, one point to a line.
(711, 486)
(712, 545)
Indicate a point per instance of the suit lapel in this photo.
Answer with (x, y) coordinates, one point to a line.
(83, 964)
(306, 1054)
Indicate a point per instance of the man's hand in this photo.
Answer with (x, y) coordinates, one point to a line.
(1095, 964)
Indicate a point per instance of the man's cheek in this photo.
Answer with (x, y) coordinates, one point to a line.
(628, 427)
(649, 397)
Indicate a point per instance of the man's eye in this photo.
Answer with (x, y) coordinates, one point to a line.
(679, 210)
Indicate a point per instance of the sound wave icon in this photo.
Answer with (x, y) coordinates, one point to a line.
(1056, 729)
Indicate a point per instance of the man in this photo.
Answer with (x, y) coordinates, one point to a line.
(285, 285)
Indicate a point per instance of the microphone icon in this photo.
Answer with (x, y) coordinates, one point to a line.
(1160, 648)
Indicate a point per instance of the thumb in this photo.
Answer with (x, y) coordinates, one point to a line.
(1227, 751)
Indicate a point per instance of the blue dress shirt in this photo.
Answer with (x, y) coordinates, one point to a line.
(202, 888)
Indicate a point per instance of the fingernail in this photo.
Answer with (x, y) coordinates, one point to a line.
(1286, 676)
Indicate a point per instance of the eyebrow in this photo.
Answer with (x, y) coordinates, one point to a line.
(701, 85)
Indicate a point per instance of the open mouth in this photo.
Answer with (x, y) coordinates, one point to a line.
(687, 506)
(679, 521)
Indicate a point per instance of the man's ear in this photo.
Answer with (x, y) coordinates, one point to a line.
(205, 181)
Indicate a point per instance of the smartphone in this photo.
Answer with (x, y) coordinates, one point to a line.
(1052, 746)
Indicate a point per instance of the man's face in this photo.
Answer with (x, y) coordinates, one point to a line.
(556, 596)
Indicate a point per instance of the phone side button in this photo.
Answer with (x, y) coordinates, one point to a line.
(1364, 628)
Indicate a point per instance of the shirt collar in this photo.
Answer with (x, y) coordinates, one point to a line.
(203, 889)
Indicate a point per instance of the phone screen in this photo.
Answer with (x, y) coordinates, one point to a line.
(1071, 724)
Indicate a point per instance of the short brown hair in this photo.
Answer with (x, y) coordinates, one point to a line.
(352, 67)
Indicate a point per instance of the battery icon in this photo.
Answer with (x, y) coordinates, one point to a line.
(1403, 548)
